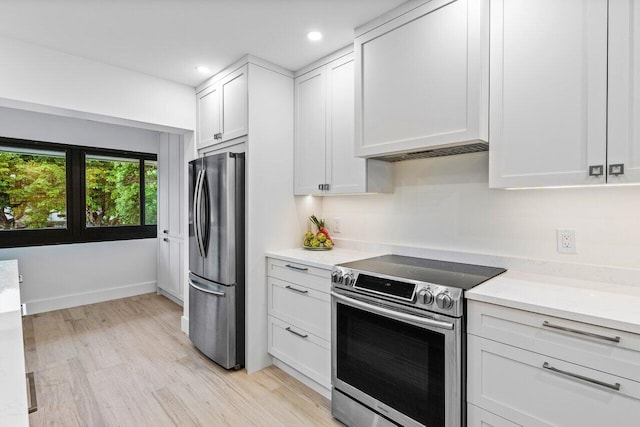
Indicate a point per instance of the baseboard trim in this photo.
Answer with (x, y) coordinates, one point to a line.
(170, 296)
(84, 298)
(184, 325)
(302, 378)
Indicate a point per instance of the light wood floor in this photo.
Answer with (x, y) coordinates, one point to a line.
(126, 363)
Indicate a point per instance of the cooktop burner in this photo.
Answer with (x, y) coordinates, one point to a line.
(444, 273)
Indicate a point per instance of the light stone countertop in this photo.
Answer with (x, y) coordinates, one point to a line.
(597, 303)
(321, 259)
(13, 391)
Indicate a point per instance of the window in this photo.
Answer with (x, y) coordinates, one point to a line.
(54, 193)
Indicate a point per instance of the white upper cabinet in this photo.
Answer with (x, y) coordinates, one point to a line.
(222, 109)
(325, 162)
(208, 116)
(624, 91)
(548, 92)
(421, 81)
(310, 123)
(565, 97)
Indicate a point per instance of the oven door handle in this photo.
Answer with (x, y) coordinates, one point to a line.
(393, 314)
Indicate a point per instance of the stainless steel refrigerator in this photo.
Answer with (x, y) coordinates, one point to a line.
(216, 257)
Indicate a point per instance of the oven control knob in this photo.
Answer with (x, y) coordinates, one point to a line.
(336, 276)
(444, 301)
(425, 296)
(348, 279)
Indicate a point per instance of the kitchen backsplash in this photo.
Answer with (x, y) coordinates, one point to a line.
(445, 203)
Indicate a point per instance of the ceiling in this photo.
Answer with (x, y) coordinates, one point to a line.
(169, 38)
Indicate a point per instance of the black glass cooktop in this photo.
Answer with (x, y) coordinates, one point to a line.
(454, 274)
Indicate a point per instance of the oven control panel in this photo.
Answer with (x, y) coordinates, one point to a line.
(418, 295)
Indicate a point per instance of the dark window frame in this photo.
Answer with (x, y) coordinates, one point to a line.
(76, 230)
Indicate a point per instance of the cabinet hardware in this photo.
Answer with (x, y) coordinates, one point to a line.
(23, 309)
(617, 169)
(300, 291)
(217, 135)
(296, 333)
(615, 386)
(596, 170)
(578, 332)
(165, 239)
(20, 280)
(326, 187)
(31, 393)
(320, 187)
(293, 267)
(165, 231)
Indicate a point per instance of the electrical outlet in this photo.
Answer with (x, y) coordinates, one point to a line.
(566, 240)
(337, 225)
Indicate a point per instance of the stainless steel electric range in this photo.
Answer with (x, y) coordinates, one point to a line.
(398, 340)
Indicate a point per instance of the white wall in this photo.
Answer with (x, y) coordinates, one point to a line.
(445, 203)
(37, 78)
(66, 275)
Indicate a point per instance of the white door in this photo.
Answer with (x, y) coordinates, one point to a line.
(176, 158)
(164, 263)
(310, 116)
(345, 172)
(175, 268)
(548, 92)
(624, 91)
(208, 116)
(233, 89)
(419, 79)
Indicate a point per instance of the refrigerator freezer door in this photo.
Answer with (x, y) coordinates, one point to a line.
(212, 326)
(219, 194)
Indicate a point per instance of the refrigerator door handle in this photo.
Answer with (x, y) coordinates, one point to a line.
(216, 293)
(196, 213)
(206, 234)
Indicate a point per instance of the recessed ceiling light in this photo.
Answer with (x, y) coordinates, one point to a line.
(203, 69)
(314, 36)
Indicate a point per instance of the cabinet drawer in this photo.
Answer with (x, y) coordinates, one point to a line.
(576, 342)
(478, 417)
(514, 383)
(301, 350)
(303, 307)
(301, 274)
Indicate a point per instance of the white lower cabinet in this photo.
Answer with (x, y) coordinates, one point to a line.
(170, 267)
(299, 318)
(517, 376)
(478, 417)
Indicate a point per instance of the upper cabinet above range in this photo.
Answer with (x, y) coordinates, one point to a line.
(421, 79)
(222, 109)
(565, 103)
(324, 108)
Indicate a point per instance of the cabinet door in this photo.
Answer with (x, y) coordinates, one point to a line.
(345, 172)
(233, 90)
(176, 181)
(310, 116)
(548, 92)
(535, 390)
(477, 417)
(164, 263)
(175, 268)
(208, 116)
(419, 79)
(624, 90)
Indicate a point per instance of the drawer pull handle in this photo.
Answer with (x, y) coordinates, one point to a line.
(296, 333)
(576, 331)
(300, 291)
(293, 267)
(615, 386)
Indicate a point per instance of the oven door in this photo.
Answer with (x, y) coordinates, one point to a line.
(405, 367)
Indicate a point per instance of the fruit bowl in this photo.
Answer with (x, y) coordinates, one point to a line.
(311, 248)
(320, 241)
